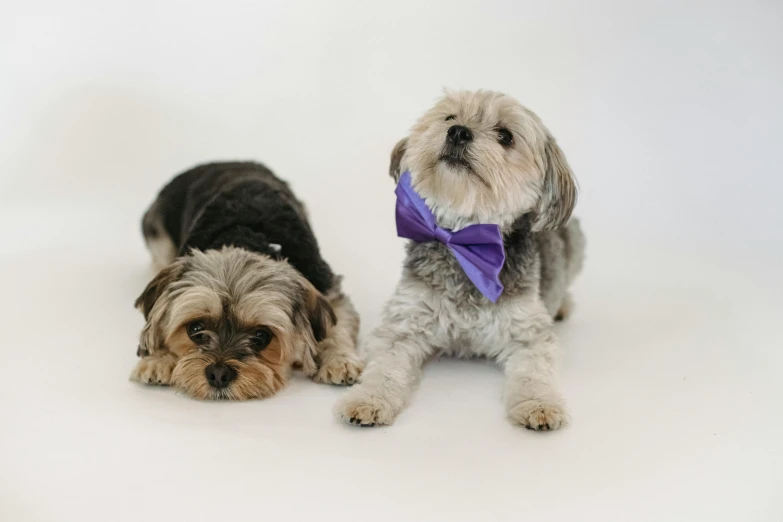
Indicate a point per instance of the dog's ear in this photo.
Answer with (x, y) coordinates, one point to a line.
(319, 317)
(559, 191)
(158, 285)
(396, 159)
(149, 339)
(320, 314)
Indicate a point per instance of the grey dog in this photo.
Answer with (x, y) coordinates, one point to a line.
(479, 157)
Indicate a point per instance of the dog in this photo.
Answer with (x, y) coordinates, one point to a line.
(479, 158)
(243, 295)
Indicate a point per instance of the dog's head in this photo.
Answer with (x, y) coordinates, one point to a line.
(481, 157)
(236, 320)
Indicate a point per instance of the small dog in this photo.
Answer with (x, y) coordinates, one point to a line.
(479, 158)
(244, 294)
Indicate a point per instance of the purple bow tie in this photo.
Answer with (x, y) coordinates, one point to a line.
(478, 248)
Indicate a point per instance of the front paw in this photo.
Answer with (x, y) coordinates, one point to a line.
(364, 409)
(538, 414)
(154, 369)
(340, 369)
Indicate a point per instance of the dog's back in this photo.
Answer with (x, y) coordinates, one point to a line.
(240, 204)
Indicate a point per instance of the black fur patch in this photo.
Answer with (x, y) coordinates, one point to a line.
(243, 205)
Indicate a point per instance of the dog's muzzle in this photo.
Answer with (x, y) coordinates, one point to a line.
(457, 139)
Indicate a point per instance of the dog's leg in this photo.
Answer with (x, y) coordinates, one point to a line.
(155, 369)
(339, 361)
(531, 395)
(391, 376)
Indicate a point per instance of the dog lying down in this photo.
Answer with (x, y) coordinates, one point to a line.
(485, 194)
(243, 294)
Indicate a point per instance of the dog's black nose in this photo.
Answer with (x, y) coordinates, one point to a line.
(220, 375)
(459, 135)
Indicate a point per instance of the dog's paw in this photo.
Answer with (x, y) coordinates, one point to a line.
(362, 409)
(340, 369)
(538, 414)
(154, 369)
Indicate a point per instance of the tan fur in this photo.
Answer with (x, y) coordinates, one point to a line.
(531, 175)
(152, 334)
(257, 378)
(178, 343)
(247, 291)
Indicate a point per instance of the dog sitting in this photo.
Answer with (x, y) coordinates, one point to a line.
(478, 158)
(243, 294)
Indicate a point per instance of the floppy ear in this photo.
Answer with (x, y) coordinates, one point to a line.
(320, 318)
(156, 287)
(150, 335)
(320, 314)
(396, 159)
(559, 192)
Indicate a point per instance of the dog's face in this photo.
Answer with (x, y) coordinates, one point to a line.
(481, 157)
(236, 320)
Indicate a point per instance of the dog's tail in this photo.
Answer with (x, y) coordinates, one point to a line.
(158, 241)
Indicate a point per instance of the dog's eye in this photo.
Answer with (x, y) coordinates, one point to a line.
(195, 332)
(261, 338)
(505, 137)
(450, 117)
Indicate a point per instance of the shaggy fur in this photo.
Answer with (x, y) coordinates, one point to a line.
(505, 169)
(248, 296)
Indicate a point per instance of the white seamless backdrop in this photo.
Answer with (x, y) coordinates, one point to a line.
(670, 114)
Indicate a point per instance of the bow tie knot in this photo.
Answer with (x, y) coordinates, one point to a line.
(478, 248)
(443, 235)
